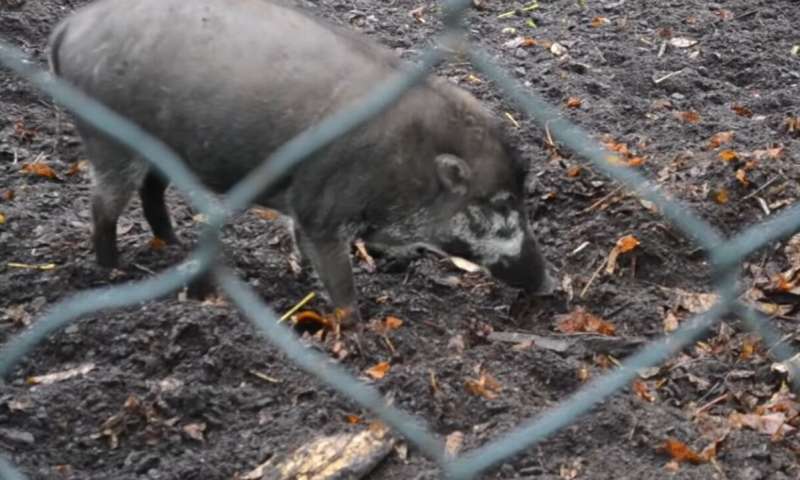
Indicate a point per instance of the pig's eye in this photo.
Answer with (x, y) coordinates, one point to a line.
(503, 202)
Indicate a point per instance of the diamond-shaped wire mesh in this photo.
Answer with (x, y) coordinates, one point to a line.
(725, 255)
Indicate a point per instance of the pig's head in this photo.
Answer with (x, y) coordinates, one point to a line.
(483, 217)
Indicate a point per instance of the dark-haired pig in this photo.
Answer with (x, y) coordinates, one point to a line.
(224, 83)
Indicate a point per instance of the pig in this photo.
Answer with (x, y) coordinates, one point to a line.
(224, 83)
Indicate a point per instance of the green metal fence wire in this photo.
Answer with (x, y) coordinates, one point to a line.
(726, 256)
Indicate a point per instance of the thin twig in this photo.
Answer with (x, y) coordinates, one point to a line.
(762, 187)
(144, 269)
(710, 404)
(297, 307)
(666, 77)
(601, 201)
(591, 280)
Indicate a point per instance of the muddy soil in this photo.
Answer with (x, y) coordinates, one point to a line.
(168, 366)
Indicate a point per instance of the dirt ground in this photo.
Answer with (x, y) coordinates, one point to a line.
(172, 392)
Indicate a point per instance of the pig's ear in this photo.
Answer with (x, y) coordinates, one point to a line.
(454, 173)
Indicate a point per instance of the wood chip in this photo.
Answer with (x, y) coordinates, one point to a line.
(60, 376)
(345, 455)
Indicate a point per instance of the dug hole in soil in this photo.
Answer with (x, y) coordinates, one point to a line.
(181, 389)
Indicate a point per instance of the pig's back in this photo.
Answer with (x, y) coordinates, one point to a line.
(219, 81)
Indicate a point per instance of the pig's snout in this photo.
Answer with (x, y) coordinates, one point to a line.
(527, 271)
(496, 237)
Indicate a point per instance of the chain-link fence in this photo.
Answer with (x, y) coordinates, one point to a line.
(726, 256)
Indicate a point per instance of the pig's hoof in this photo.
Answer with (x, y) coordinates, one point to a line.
(201, 288)
(547, 288)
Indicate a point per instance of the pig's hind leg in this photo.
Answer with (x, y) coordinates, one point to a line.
(155, 209)
(116, 174)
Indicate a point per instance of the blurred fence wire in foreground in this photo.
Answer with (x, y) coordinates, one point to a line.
(726, 256)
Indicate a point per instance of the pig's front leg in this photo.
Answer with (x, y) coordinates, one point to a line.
(330, 257)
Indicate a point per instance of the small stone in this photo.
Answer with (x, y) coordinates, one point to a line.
(16, 436)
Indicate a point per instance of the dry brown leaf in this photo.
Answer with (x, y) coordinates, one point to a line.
(383, 327)
(725, 15)
(719, 139)
(583, 374)
(352, 419)
(773, 424)
(617, 147)
(792, 124)
(748, 348)
(627, 243)
(453, 443)
(485, 386)
(635, 162)
(9, 195)
(418, 13)
(781, 283)
(624, 245)
(569, 472)
(195, 431)
(680, 452)
(40, 169)
(721, 196)
(521, 42)
(693, 302)
(768, 153)
(742, 111)
(662, 104)
(2, 218)
(65, 470)
(750, 165)
(23, 133)
(602, 361)
(157, 244)
(710, 452)
(366, 258)
(574, 102)
(792, 250)
(690, 117)
(670, 322)
(529, 42)
(579, 320)
(433, 382)
(574, 171)
(77, 167)
(625, 157)
(741, 175)
(392, 323)
(598, 22)
(642, 391)
(312, 320)
(264, 213)
(378, 371)
(728, 155)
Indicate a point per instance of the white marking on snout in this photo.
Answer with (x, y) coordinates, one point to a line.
(501, 196)
(491, 248)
